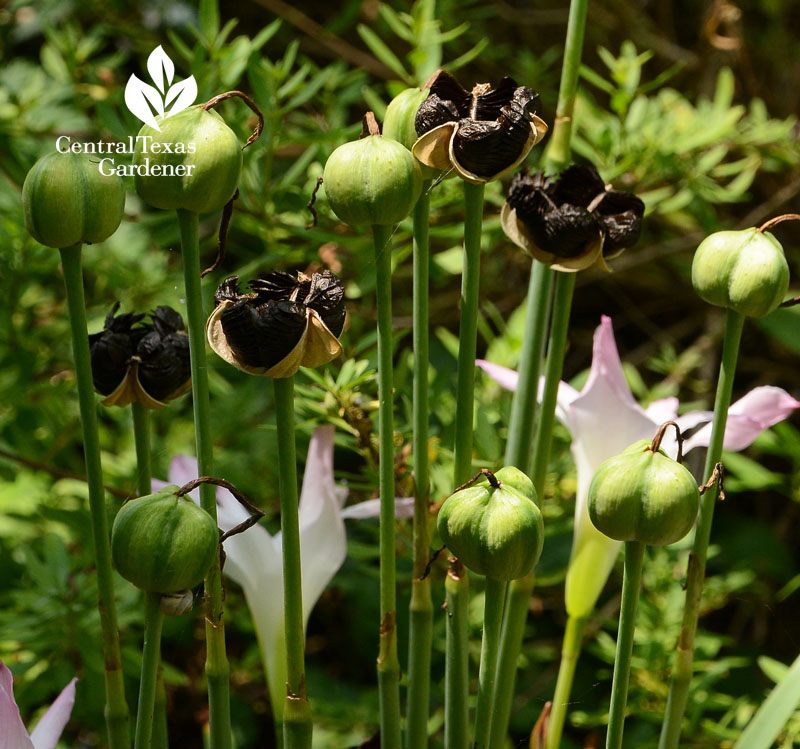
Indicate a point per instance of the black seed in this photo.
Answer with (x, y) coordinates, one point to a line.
(112, 348)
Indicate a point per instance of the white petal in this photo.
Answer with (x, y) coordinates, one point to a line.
(665, 409)
(50, 727)
(503, 376)
(12, 731)
(371, 508)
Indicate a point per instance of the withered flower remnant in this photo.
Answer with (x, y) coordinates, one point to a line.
(285, 321)
(482, 134)
(572, 221)
(137, 361)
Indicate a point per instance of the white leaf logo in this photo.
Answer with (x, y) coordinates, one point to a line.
(146, 101)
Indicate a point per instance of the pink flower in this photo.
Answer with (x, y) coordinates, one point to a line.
(603, 419)
(13, 734)
(254, 558)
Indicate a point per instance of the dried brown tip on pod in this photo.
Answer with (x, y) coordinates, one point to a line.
(482, 134)
(144, 362)
(572, 221)
(284, 321)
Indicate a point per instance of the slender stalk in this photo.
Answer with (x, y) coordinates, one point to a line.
(631, 578)
(217, 667)
(570, 651)
(684, 656)
(117, 714)
(468, 331)
(297, 726)
(518, 453)
(420, 632)
(524, 405)
(515, 613)
(141, 436)
(151, 657)
(562, 305)
(559, 150)
(388, 664)
(492, 620)
(456, 673)
(160, 737)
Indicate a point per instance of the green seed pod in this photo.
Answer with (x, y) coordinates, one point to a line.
(494, 526)
(745, 271)
(193, 164)
(398, 123)
(643, 495)
(163, 543)
(66, 200)
(374, 181)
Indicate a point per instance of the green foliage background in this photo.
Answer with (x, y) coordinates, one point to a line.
(685, 103)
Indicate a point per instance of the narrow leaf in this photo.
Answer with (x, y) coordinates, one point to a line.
(382, 52)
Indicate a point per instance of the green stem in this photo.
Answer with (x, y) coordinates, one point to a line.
(518, 453)
(217, 667)
(514, 616)
(420, 632)
(160, 737)
(631, 578)
(524, 404)
(684, 656)
(151, 657)
(562, 305)
(558, 152)
(388, 663)
(492, 620)
(297, 726)
(456, 663)
(117, 714)
(570, 651)
(468, 331)
(141, 436)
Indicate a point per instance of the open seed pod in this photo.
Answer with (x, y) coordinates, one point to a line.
(133, 361)
(573, 221)
(482, 134)
(284, 322)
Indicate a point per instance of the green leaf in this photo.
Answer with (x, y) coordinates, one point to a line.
(209, 19)
(383, 53)
(773, 714)
(396, 24)
(469, 55)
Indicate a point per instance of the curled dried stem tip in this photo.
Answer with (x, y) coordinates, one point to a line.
(369, 125)
(483, 472)
(222, 237)
(255, 512)
(250, 103)
(539, 732)
(431, 561)
(310, 204)
(779, 220)
(660, 436)
(455, 568)
(717, 477)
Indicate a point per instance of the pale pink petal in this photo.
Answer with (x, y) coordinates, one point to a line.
(503, 376)
(665, 409)
(49, 729)
(12, 731)
(748, 417)
(323, 543)
(371, 508)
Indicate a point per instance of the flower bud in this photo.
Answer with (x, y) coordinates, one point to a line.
(193, 163)
(745, 271)
(494, 526)
(66, 200)
(373, 181)
(284, 322)
(163, 543)
(144, 362)
(643, 495)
